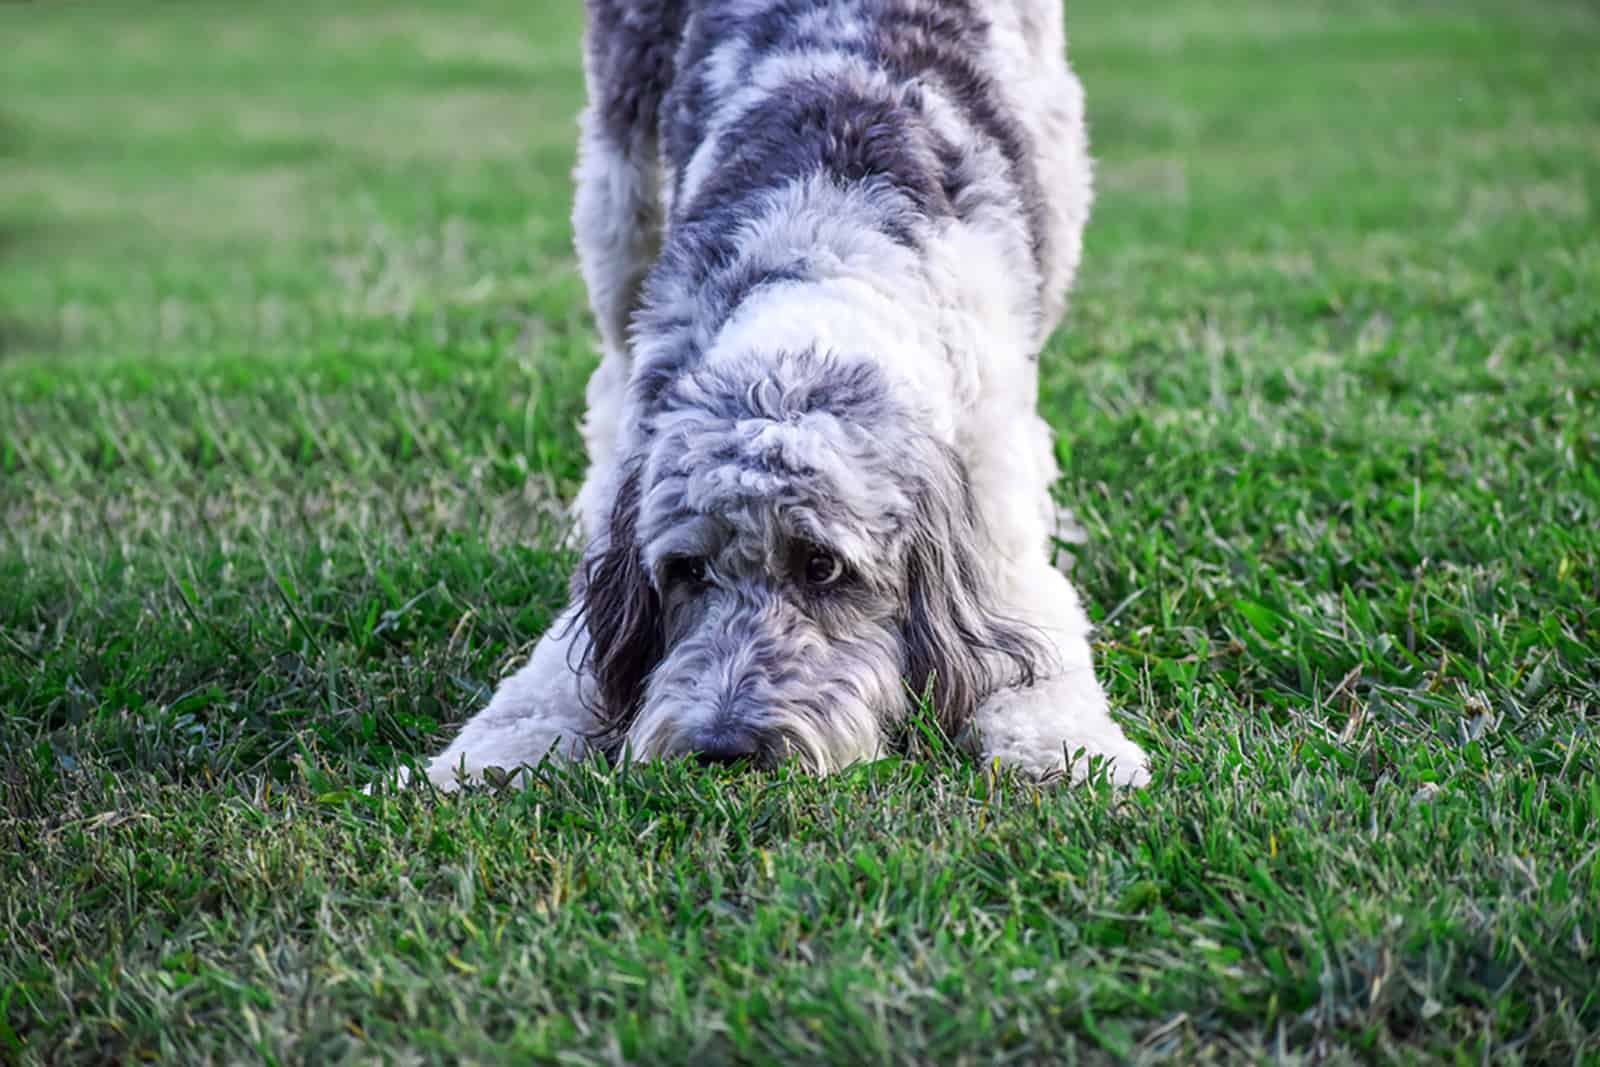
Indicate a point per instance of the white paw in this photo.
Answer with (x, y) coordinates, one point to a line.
(1056, 730)
(449, 777)
(1126, 765)
(389, 782)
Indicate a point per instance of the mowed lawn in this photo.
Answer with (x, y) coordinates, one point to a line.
(292, 347)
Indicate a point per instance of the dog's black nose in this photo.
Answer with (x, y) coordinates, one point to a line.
(728, 746)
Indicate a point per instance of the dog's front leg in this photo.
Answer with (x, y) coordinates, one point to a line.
(1054, 726)
(616, 222)
(539, 711)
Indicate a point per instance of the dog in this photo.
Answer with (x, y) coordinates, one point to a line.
(825, 242)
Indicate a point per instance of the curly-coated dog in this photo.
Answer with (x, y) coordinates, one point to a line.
(825, 241)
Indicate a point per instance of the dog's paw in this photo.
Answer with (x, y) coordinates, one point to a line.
(1125, 765)
(390, 781)
(1028, 729)
(446, 778)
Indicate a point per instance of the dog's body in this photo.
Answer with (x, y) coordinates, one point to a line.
(825, 241)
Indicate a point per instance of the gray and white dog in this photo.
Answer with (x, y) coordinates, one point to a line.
(825, 241)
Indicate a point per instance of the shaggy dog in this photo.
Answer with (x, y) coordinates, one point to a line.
(825, 241)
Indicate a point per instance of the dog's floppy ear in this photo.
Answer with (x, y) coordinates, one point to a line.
(622, 612)
(951, 632)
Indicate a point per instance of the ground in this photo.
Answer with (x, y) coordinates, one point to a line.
(292, 347)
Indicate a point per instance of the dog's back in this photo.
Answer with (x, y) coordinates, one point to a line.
(966, 108)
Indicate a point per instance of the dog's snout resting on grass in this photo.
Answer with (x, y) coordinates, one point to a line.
(825, 242)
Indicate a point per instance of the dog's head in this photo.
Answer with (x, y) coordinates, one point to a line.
(789, 562)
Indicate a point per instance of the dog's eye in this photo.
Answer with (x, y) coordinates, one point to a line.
(822, 568)
(686, 571)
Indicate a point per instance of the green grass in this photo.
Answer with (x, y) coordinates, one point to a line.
(291, 351)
